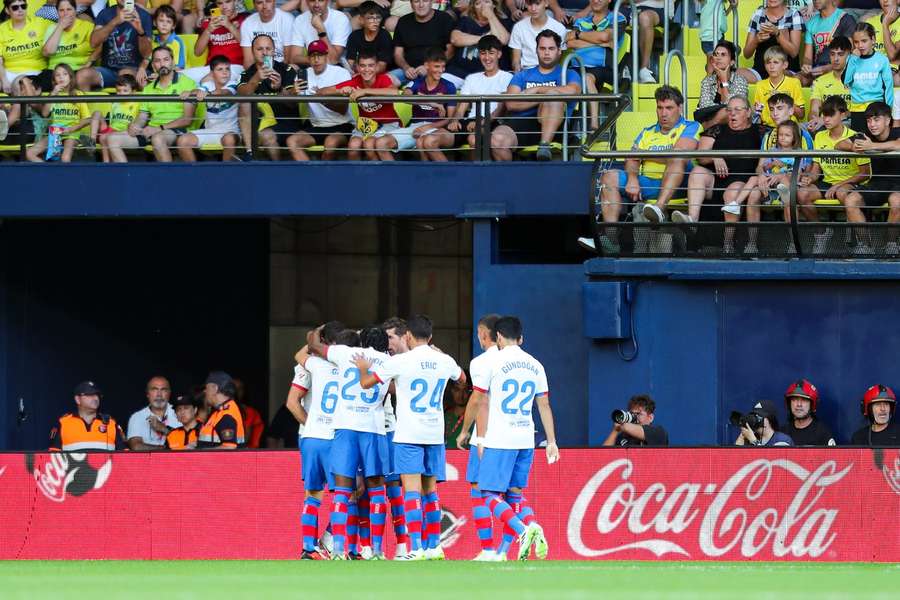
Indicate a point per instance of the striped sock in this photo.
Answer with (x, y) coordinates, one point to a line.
(352, 527)
(517, 502)
(413, 506)
(364, 526)
(339, 510)
(432, 520)
(398, 514)
(309, 523)
(482, 517)
(378, 512)
(506, 539)
(501, 510)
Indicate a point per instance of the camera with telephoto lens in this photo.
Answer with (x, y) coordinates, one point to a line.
(621, 417)
(752, 420)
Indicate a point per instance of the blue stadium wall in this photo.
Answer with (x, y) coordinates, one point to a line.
(712, 336)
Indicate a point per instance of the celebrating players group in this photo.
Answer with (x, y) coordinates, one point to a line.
(371, 407)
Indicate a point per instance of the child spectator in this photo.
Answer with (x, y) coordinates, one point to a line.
(70, 42)
(121, 114)
(523, 40)
(867, 76)
(887, 33)
(70, 118)
(221, 125)
(372, 37)
(781, 107)
(164, 21)
(777, 82)
(831, 83)
(426, 118)
(220, 35)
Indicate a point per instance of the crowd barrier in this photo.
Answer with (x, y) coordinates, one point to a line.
(642, 504)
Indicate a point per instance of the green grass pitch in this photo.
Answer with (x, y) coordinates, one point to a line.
(550, 580)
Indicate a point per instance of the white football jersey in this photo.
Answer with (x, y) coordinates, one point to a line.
(322, 398)
(477, 367)
(420, 377)
(302, 382)
(390, 420)
(358, 409)
(512, 378)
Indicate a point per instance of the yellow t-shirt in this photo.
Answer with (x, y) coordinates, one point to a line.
(764, 90)
(21, 48)
(74, 48)
(66, 114)
(829, 85)
(835, 170)
(652, 138)
(875, 22)
(122, 114)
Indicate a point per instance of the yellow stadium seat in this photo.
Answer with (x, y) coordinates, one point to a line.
(628, 125)
(190, 60)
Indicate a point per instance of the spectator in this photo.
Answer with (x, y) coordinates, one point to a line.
(69, 42)
(220, 36)
(708, 37)
(530, 123)
(148, 427)
(121, 114)
(482, 17)
(87, 428)
(830, 22)
(401, 8)
(830, 83)
(164, 22)
(71, 117)
(124, 36)
(766, 432)
(184, 437)
(781, 109)
(49, 11)
(416, 33)
(282, 431)
(224, 429)
(878, 405)
(269, 21)
(868, 76)
(720, 86)
(721, 179)
(269, 76)
(372, 37)
(253, 421)
(21, 40)
(523, 39)
(650, 13)
(31, 114)
(773, 25)
(329, 125)
(861, 10)
(455, 399)
(375, 119)
(320, 23)
(804, 427)
(426, 118)
(649, 179)
(221, 125)
(159, 123)
(778, 82)
(640, 430)
(887, 33)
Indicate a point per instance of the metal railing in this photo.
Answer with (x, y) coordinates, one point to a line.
(617, 10)
(666, 68)
(734, 21)
(569, 59)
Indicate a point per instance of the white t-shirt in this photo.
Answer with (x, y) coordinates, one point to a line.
(478, 83)
(524, 39)
(319, 114)
(420, 378)
(358, 409)
(139, 427)
(512, 379)
(337, 26)
(322, 399)
(478, 367)
(279, 29)
(221, 116)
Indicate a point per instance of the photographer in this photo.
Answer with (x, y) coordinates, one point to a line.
(634, 427)
(759, 427)
(802, 400)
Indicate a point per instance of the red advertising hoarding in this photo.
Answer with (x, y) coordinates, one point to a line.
(645, 504)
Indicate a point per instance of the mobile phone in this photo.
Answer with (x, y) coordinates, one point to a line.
(129, 5)
(215, 12)
(267, 62)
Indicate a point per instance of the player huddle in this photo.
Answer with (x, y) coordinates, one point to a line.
(371, 407)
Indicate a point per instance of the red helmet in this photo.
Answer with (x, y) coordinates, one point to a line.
(802, 388)
(877, 393)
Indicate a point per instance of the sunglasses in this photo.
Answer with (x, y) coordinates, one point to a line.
(18, 6)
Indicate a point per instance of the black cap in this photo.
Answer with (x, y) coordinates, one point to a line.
(87, 388)
(223, 381)
(186, 400)
(764, 408)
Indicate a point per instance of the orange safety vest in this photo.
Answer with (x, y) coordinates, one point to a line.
(224, 428)
(182, 439)
(73, 434)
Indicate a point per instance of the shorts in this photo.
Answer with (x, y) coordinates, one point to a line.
(875, 194)
(318, 134)
(502, 469)
(210, 137)
(421, 459)
(352, 451)
(314, 460)
(602, 75)
(659, 12)
(109, 76)
(383, 130)
(170, 139)
(824, 187)
(404, 136)
(390, 473)
(473, 464)
(527, 130)
(649, 187)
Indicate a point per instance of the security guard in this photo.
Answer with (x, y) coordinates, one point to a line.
(224, 428)
(86, 429)
(184, 437)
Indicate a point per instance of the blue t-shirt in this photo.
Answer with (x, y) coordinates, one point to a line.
(598, 56)
(425, 113)
(120, 50)
(779, 439)
(533, 77)
(821, 30)
(869, 79)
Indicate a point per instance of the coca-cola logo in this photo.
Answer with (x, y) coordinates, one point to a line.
(738, 515)
(74, 473)
(888, 461)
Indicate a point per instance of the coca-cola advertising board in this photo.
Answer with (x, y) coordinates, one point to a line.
(643, 504)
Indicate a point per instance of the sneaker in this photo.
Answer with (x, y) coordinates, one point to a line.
(244, 157)
(544, 153)
(415, 555)
(526, 540)
(680, 217)
(863, 249)
(637, 213)
(732, 209)
(541, 547)
(435, 554)
(355, 556)
(653, 213)
(326, 542)
(784, 193)
(892, 249)
(626, 73)
(485, 556)
(312, 555)
(400, 550)
(728, 247)
(645, 75)
(587, 243)
(820, 241)
(4, 125)
(750, 248)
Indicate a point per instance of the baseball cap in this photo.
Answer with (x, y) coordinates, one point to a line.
(223, 381)
(185, 400)
(317, 47)
(765, 408)
(87, 388)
